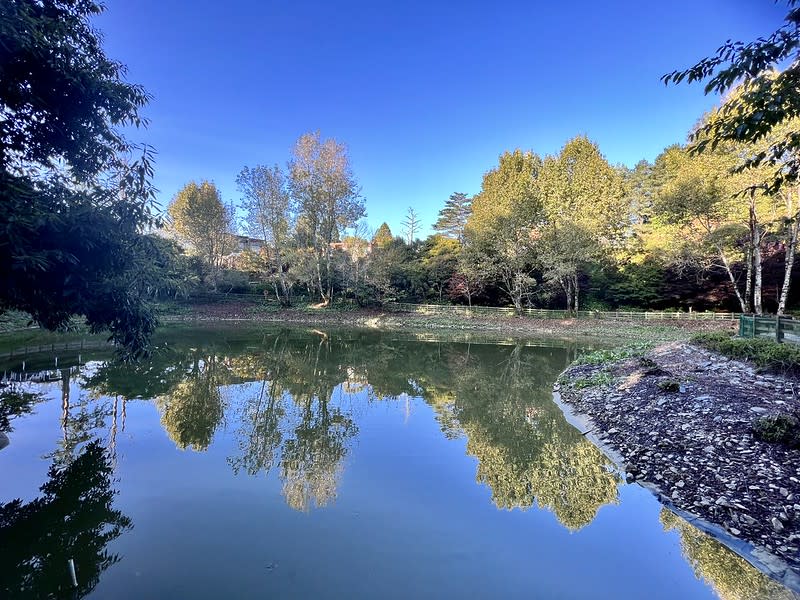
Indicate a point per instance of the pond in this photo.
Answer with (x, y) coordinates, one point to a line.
(293, 463)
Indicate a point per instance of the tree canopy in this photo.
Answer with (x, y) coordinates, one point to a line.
(76, 193)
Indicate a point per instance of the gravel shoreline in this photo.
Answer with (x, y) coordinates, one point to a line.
(693, 446)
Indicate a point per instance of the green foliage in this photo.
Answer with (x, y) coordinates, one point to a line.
(453, 216)
(269, 218)
(202, 221)
(764, 100)
(605, 356)
(498, 233)
(328, 201)
(614, 284)
(780, 428)
(585, 212)
(383, 236)
(766, 353)
(599, 379)
(669, 385)
(76, 194)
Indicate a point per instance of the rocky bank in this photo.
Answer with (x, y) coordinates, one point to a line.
(679, 420)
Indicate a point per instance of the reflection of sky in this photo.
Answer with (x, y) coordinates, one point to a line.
(408, 519)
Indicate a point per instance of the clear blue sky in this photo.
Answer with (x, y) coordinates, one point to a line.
(425, 94)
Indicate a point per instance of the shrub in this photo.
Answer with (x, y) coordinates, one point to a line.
(599, 357)
(765, 353)
(669, 385)
(598, 379)
(780, 428)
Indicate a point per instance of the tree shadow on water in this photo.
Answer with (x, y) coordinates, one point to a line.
(74, 519)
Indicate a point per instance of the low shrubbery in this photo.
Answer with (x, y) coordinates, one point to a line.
(600, 357)
(669, 385)
(765, 353)
(596, 380)
(779, 428)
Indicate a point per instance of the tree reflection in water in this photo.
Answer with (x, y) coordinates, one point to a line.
(193, 409)
(731, 576)
(74, 519)
(294, 400)
(294, 419)
(527, 453)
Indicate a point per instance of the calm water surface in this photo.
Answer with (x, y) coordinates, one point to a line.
(342, 464)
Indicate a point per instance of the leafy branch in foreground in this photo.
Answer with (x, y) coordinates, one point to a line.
(765, 98)
(76, 194)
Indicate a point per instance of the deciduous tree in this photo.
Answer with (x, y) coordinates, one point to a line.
(328, 199)
(203, 222)
(269, 217)
(584, 211)
(411, 226)
(501, 230)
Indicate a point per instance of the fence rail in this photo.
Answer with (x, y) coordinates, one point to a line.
(542, 313)
(780, 329)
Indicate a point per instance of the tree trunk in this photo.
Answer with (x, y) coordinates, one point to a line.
(748, 289)
(328, 278)
(757, 308)
(285, 297)
(577, 289)
(517, 294)
(517, 300)
(726, 264)
(566, 284)
(319, 276)
(791, 250)
(755, 246)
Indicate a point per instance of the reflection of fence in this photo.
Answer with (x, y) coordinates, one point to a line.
(54, 348)
(542, 313)
(38, 376)
(780, 329)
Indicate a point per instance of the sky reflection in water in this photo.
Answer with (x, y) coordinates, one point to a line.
(294, 463)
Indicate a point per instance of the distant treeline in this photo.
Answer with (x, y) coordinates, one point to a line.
(568, 230)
